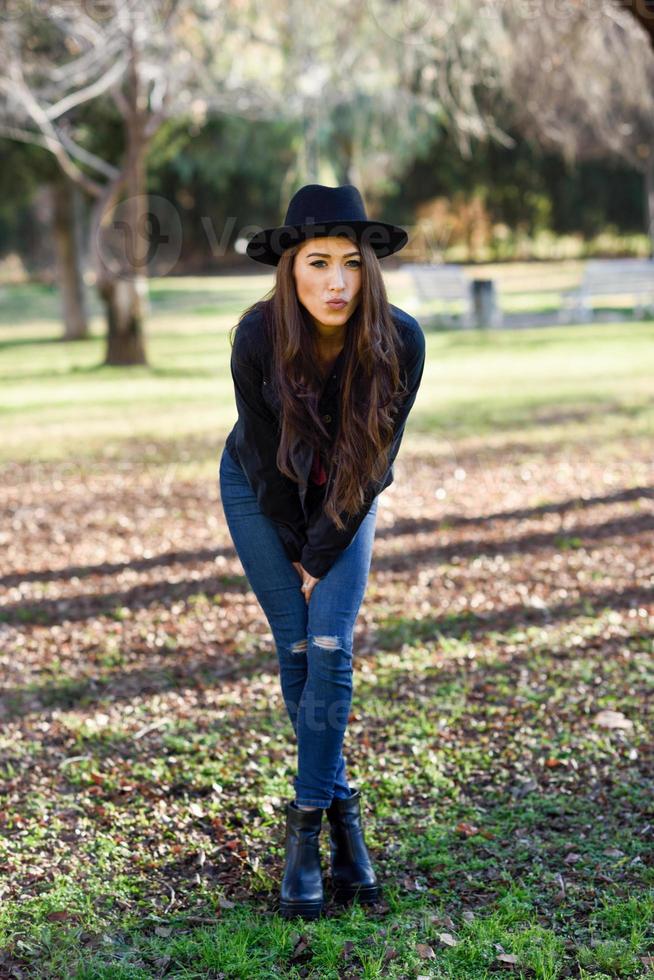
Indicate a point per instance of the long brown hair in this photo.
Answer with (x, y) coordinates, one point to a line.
(371, 383)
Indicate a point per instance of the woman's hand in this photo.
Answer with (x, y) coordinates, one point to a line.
(307, 580)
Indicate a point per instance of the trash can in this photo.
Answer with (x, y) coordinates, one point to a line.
(486, 312)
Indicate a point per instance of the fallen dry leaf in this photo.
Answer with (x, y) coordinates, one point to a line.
(613, 719)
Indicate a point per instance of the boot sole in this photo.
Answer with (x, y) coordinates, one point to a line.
(308, 910)
(366, 894)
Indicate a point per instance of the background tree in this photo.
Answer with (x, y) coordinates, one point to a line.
(30, 179)
(592, 93)
(367, 88)
(67, 236)
(154, 59)
(375, 82)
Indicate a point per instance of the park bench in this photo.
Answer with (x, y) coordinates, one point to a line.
(610, 277)
(445, 282)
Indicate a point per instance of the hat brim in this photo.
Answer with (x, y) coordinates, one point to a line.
(268, 245)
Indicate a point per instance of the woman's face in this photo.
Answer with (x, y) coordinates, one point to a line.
(325, 269)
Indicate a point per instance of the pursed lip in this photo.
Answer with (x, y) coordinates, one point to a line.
(336, 302)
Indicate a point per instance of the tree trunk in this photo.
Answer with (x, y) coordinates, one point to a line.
(122, 299)
(65, 231)
(649, 200)
(121, 241)
(117, 285)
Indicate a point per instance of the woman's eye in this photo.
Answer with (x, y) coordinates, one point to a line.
(354, 262)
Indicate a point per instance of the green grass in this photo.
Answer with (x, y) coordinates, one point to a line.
(57, 400)
(511, 832)
(494, 888)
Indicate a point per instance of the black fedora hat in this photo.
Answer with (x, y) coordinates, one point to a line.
(315, 211)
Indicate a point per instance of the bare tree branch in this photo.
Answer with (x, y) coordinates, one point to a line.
(91, 91)
(23, 135)
(85, 156)
(51, 141)
(77, 71)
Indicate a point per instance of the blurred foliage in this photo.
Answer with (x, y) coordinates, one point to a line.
(229, 173)
(526, 189)
(221, 177)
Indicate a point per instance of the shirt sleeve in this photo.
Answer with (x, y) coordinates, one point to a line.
(324, 541)
(257, 438)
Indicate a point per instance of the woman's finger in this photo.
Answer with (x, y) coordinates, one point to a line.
(308, 585)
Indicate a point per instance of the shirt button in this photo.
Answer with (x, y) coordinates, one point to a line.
(326, 418)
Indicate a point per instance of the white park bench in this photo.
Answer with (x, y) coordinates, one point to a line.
(444, 282)
(610, 277)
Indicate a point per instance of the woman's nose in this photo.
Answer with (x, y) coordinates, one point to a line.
(337, 279)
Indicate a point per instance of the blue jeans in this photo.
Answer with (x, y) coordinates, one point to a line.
(313, 642)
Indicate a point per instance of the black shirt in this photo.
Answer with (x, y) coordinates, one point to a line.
(307, 534)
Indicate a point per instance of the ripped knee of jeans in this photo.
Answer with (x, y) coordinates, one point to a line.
(328, 642)
(300, 646)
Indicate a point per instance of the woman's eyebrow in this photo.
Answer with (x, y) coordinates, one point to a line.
(327, 255)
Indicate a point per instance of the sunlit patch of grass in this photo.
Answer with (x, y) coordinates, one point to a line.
(186, 389)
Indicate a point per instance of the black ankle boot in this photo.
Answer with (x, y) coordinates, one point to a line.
(302, 891)
(353, 875)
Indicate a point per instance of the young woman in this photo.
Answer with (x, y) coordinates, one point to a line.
(325, 374)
